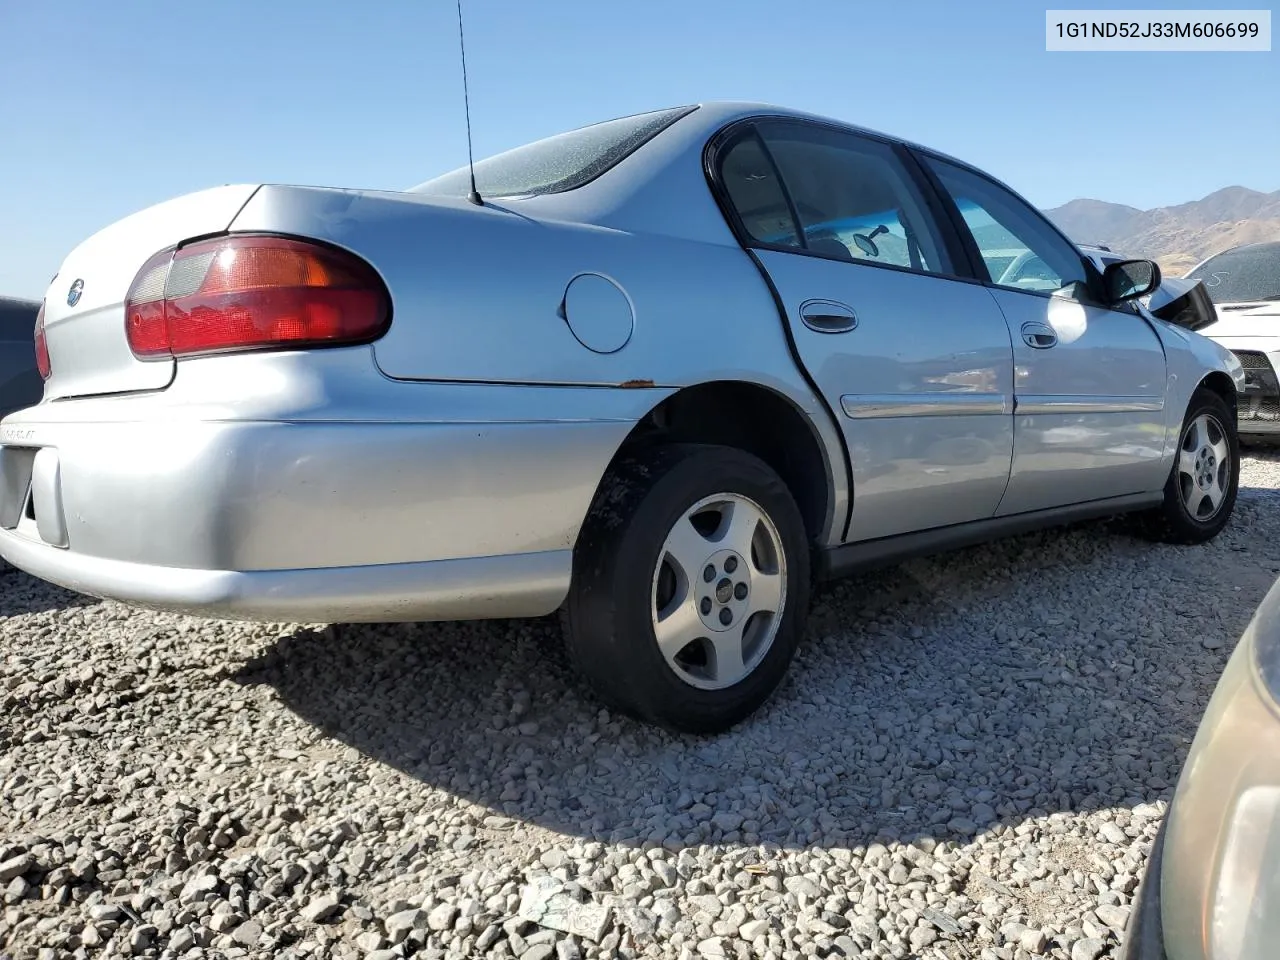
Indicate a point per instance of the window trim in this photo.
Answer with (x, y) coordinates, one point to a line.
(582, 177)
(754, 133)
(1093, 277)
(731, 134)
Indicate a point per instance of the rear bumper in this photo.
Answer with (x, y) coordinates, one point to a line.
(312, 520)
(520, 585)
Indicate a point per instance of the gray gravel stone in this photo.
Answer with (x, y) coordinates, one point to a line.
(320, 909)
(100, 912)
(978, 747)
(372, 940)
(182, 940)
(442, 917)
(1114, 916)
(1033, 941)
(1112, 833)
(488, 937)
(1090, 948)
(752, 929)
(16, 866)
(141, 937)
(248, 933)
(225, 921)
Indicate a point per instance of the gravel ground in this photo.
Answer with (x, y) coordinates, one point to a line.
(970, 758)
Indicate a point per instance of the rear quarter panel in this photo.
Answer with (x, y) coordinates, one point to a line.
(477, 293)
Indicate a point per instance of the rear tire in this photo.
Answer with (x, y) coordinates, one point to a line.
(1201, 490)
(690, 586)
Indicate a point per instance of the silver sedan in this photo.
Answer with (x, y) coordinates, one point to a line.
(659, 373)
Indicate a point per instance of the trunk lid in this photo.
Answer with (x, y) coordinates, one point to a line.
(84, 305)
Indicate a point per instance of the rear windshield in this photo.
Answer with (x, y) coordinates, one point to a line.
(558, 163)
(1243, 274)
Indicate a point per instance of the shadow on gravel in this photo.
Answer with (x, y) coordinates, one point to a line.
(1262, 449)
(1060, 671)
(20, 593)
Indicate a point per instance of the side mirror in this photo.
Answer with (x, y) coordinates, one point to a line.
(1130, 279)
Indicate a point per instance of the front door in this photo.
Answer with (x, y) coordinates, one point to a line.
(917, 365)
(1089, 381)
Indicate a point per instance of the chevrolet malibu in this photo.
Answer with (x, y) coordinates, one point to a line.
(657, 373)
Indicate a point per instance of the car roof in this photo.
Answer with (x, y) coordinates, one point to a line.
(1258, 246)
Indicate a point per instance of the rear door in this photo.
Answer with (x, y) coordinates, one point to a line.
(916, 364)
(1089, 381)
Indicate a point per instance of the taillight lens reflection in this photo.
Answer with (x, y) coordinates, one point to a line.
(253, 293)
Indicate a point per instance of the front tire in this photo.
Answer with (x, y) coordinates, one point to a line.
(690, 586)
(1201, 490)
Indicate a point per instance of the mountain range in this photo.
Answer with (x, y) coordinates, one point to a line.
(1177, 237)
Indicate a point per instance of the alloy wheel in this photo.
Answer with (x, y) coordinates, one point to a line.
(1204, 467)
(719, 590)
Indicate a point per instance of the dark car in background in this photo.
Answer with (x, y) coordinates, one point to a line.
(20, 382)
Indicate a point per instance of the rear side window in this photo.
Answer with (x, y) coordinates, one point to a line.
(558, 163)
(830, 193)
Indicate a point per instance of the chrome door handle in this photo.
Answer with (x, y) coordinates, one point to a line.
(1039, 336)
(828, 316)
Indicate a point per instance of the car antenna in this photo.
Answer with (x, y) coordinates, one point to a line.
(474, 195)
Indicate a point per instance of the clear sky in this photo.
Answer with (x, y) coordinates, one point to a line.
(107, 106)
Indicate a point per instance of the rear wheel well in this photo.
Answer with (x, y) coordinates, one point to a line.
(751, 418)
(1221, 384)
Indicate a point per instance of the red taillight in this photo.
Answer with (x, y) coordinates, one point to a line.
(42, 348)
(253, 293)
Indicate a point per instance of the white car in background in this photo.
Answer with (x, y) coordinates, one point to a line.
(1244, 284)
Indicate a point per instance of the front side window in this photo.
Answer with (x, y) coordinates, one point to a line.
(558, 163)
(830, 193)
(1019, 247)
(1242, 275)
